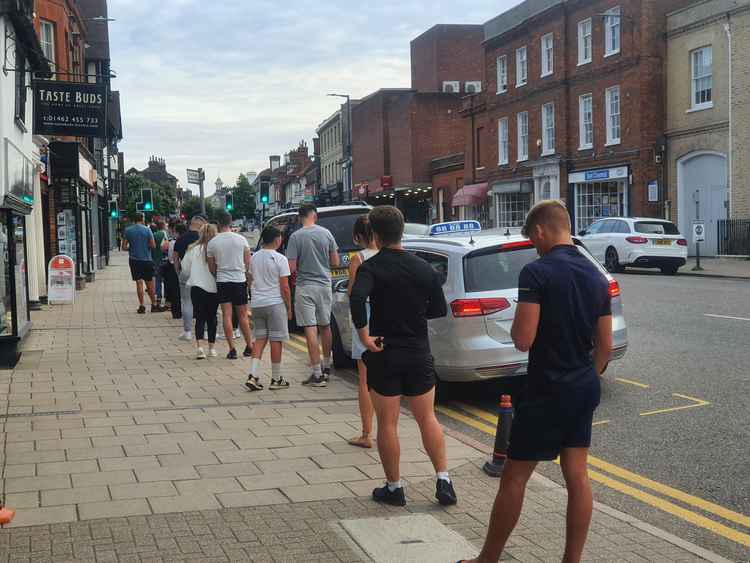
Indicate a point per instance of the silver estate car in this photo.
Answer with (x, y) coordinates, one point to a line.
(480, 278)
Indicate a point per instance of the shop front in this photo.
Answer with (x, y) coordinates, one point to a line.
(471, 203)
(603, 192)
(512, 201)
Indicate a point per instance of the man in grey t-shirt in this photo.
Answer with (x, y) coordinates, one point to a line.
(312, 251)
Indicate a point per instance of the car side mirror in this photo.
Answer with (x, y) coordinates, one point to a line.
(341, 286)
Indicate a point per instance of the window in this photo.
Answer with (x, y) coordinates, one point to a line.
(47, 40)
(512, 209)
(546, 190)
(480, 130)
(702, 73)
(523, 136)
(612, 101)
(438, 263)
(586, 122)
(492, 269)
(502, 74)
(547, 54)
(521, 67)
(599, 199)
(548, 128)
(452, 87)
(502, 140)
(20, 107)
(656, 228)
(584, 42)
(612, 32)
(473, 87)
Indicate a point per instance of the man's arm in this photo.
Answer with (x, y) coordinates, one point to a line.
(286, 295)
(212, 265)
(151, 242)
(358, 307)
(335, 259)
(333, 252)
(125, 244)
(525, 325)
(291, 253)
(436, 305)
(602, 343)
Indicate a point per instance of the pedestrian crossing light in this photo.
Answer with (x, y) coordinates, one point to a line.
(148, 199)
(229, 202)
(113, 211)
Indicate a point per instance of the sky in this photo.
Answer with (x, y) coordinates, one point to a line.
(224, 84)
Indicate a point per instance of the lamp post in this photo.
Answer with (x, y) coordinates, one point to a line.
(349, 153)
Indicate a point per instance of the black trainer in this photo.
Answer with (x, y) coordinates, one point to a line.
(141, 310)
(232, 355)
(279, 383)
(444, 493)
(326, 374)
(248, 352)
(315, 381)
(253, 384)
(386, 496)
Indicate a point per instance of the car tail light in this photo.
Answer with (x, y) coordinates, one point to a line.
(614, 288)
(637, 240)
(682, 242)
(478, 307)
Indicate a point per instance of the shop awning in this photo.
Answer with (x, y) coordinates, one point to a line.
(473, 194)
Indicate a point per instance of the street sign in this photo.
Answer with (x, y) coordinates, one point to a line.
(455, 227)
(193, 176)
(699, 231)
(62, 280)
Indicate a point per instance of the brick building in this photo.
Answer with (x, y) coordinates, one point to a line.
(573, 109)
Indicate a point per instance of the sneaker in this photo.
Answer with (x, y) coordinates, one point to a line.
(201, 355)
(141, 310)
(315, 381)
(253, 384)
(237, 333)
(212, 353)
(156, 309)
(186, 336)
(248, 351)
(386, 496)
(444, 493)
(232, 355)
(326, 374)
(279, 383)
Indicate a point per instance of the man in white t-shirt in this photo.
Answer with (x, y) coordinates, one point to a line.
(229, 259)
(272, 307)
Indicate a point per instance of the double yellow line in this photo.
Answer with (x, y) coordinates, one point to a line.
(479, 419)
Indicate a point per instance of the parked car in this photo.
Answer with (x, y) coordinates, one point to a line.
(618, 242)
(480, 277)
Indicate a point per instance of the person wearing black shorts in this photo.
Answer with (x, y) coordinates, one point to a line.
(404, 291)
(564, 321)
(138, 240)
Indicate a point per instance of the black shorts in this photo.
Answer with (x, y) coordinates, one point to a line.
(544, 425)
(142, 270)
(232, 292)
(400, 371)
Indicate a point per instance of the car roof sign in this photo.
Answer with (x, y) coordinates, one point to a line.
(455, 227)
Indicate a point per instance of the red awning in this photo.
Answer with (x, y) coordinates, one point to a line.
(473, 194)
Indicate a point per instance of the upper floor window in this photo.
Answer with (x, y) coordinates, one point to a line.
(502, 141)
(47, 40)
(523, 136)
(584, 42)
(502, 74)
(612, 31)
(547, 54)
(586, 122)
(452, 86)
(20, 106)
(612, 101)
(521, 67)
(702, 78)
(548, 129)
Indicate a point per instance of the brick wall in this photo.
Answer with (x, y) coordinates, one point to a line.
(446, 53)
(740, 117)
(438, 131)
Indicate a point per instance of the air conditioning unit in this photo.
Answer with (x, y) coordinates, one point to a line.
(473, 87)
(453, 87)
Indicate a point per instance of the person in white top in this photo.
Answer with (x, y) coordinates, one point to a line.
(271, 305)
(362, 236)
(202, 285)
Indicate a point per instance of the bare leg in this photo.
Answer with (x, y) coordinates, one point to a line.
(365, 402)
(313, 347)
(139, 291)
(423, 409)
(226, 317)
(245, 325)
(260, 346)
(276, 348)
(150, 288)
(387, 410)
(580, 501)
(326, 340)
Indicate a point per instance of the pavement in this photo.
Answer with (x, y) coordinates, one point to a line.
(120, 447)
(718, 267)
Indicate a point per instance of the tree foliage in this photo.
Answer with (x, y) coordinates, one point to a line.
(193, 207)
(244, 198)
(164, 197)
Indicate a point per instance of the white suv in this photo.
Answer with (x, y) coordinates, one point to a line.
(635, 241)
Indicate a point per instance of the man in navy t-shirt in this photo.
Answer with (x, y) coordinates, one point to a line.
(139, 241)
(564, 321)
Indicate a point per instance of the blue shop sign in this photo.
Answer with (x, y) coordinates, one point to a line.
(592, 175)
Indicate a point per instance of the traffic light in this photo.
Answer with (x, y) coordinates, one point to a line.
(229, 205)
(264, 187)
(147, 197)
(114, 213)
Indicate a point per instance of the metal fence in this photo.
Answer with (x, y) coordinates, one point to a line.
(734, 237)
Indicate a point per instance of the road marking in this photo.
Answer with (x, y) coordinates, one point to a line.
(599, 423)
(630, 382)
(486, 428)
(296, 346)
(726, 317)
(480, 413)
(696, 403)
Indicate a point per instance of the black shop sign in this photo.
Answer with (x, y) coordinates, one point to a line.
(69, 109)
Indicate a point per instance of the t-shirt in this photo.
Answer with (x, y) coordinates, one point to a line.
(267, 267)
(138, 237)
(157, 254)
(188, 238)
(573, 294)
(228, 249)
(311, 247)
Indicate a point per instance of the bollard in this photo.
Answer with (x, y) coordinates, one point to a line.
(494, 467)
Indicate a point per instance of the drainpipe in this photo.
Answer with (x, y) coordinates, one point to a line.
(728, 30)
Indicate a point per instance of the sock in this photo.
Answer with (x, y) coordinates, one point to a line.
(393, 485)
(443, 475)
(276, 371)
(317, 370)
(326, 363)
(254, 367)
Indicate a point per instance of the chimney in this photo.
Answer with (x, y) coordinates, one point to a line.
(275, 162)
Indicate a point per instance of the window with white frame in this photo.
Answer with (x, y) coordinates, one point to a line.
(612, 102)
(612, 31)
(548, 128)
(599, 199)
(47, 40)
(702, 77)
(521, 66)
(523, 135)
(545, 191)
(502, 74)
(548, 55)
(502, 141)
(586, 121)
(584, 42)
(511, 208)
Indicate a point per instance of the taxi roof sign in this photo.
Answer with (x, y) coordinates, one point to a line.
(455, 227)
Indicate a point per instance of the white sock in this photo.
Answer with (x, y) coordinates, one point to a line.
(317, 370)
(443, 475)
(276, 371)
(393, 485)
(326, 363)
(254, 367)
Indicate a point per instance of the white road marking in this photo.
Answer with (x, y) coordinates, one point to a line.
(726, 317)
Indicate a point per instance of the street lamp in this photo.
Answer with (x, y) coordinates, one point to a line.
(350, 155)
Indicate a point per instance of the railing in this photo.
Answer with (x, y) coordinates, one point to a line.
(734, 237)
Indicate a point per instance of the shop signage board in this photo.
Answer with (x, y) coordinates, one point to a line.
(74, 109)
(62, 280)
(599, 175)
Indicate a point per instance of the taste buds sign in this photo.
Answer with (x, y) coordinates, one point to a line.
(69, 108)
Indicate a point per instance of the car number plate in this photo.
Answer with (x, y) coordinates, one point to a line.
(339, 272)
(663, 242)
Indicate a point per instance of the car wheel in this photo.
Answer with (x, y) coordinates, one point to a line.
(340, 359)
(669, 270)
(612, 261)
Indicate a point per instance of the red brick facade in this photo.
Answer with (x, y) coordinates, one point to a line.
(447, 53)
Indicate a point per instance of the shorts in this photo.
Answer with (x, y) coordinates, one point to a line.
(357, 347)
(142, 270)
(312, 305)
(400, 371)
(232, 292)
(271, 323)
(544, 425)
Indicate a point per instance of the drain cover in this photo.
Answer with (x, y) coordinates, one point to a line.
(417, 538)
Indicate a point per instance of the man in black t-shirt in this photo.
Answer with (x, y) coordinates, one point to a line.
(180, 248)
(564, 321)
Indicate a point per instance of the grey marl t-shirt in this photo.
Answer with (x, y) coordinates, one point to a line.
(311, 247)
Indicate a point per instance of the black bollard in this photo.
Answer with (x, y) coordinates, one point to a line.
(494, 467)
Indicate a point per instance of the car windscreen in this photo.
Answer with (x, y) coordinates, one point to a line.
(341, 226)
(656, 228)
(491, 269)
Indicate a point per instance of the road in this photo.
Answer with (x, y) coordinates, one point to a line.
(671, 438)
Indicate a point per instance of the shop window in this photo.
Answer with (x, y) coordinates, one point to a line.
(512, 209)
(597, 200)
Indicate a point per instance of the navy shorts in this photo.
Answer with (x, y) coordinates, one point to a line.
(545, 424)
(400, 371)
(142, 270)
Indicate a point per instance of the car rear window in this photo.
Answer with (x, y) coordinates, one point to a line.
(491, 269)
(656, 228)
(341, 226)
